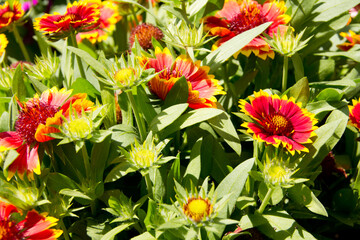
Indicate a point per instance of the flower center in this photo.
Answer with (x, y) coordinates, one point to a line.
(278, 125)
(8, 230)
(30, 117)
(197, 208)
(248, 18)
(124, 76)
(144, 157)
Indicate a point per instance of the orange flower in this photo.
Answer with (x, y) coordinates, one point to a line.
(109, 16)
(353, 39)
(202, 87)
(35, 120)
(34, 226)
(279, 121)
(242, 15)
(9, 15)
(79, 17)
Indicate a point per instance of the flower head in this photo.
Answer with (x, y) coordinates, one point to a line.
(79, 17)
(35, 121)
(353, 39)
(354, 113)
(197, 208)
(109, 16)
(144, 33)
(242, 15)
(202, 87)
(34, 226)
(277, 171)
(10, 14)
(145, 155)
(3, 43)
(279, 121)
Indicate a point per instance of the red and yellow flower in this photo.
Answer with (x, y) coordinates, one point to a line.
(354, 113)
(144, 34)
(202, 87)
(109, 16)
(239, 16)
(79, 17)
(279, 121)
(9, 15)
(35, 120)
(353, 39)
(34, 226)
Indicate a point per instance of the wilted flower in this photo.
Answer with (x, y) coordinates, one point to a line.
(202, 87)
(144, 33)
(34, 226)
(79, 17)
(9, 14)
(36, 119)
(239, 16)
(109, 16)
(279, 121)
(353, 39)
(287, 43)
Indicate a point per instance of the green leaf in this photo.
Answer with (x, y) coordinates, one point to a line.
(39, 87)
(233, 184)
(232, 46)
(301, 9)
(174, 174)
(298, 66)
(92, 62)
(82, 85)
(196, 6)
(144, 236)
(18, 85)
(328, 10)
(335, 83)
(10, 158)
(74, 193)
(108, 98)
(112, 233)
(144, 105)
(352, 54)
(330, 94)
(99, 156)
(193, 169)
(119, 171)
(301, 91)
(302, 195)
(178, 93)
(189, 119)
(167, 116)
(223, 126)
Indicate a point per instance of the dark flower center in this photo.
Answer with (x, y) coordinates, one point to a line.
(8, 230)
(278, 125)
(30, 117)
(248, 18)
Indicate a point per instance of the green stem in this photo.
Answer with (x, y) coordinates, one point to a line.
(148, 184)
(64, 229)
(266, 199)
(74, 44)
(139, 120)
(138, 228)
(93, 207)
(285, 73)
(134, 14)
(86, 160)
(21, 43)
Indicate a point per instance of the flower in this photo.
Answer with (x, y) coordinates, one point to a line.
(276, 172)
(197, 208)
(353, 39)
(9, 14)
(202, 87)
(29, 4)
(145, 155)
(242, 15)
(354, 113)
(125, 77)
(35, 120)
(279, 121)
(144, 33)
(3, 43)
(34, 226)
(79, 17)
(109, 16)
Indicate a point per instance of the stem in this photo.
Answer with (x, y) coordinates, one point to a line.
(139, 120)
(266, 199)
(138, 228)
(148, 184)
(74, 44)
(86, 160)
(134, 14)
(65, 232)
(21, 43)
(285, 73)
(93, 207)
